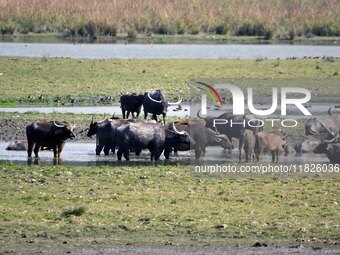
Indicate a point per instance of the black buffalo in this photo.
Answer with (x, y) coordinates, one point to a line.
(154, 102)
(202, 136)
(48, 134)
(331, 147)
(131, 103)
(17, 146)
(307, 145)
(106, 134)
(317, 126)
(152, 136)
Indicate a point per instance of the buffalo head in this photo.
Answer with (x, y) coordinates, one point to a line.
(93, 128)
(179, 136)
(323, 146)
(64, 130)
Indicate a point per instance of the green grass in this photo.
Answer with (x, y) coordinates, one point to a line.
(86, 80)
(158, 204)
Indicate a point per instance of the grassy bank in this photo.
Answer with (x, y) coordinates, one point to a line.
(165, 204)
(24, 80)
(268, 19)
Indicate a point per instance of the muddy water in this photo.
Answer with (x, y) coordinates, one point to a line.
(83, 154)
(108, 110)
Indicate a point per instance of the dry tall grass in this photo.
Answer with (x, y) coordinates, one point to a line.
(278, 18)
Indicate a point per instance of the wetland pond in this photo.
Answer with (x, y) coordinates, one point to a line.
(83, 154)
(167, 51)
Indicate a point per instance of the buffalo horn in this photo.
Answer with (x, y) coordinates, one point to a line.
(198, 115)
(156, 101)
(332, 133)
(329, 111)
(175, 103)
(58, 125)
(332, 139)
(175, 129)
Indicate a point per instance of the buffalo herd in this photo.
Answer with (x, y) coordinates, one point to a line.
(135, 135)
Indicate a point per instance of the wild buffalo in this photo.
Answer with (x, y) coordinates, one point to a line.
(275, 142)
(202, 136)
(247, 142)
(331, 147)
(234, 124)
(317, 126)
(155, 137)
(307, 145)
(17, 146)
(131, 103)
(154, 102)
(106, 134)
(48, 134)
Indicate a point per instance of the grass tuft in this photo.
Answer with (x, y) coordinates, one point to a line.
(75, 212)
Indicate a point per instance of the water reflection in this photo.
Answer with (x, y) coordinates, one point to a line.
(83, 154)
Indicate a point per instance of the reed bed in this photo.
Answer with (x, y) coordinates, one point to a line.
(280, 19)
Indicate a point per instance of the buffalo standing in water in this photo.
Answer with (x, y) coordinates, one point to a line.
(154, 102)
(48, 134)
(153, 136)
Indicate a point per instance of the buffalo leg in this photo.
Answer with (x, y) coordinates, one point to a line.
(198, 152)
(154, 117)
(30, 148)
(247, 155)
(36, 150)
(138, 112)
(128, 114)
(167, 152)
(60, 148)
(113, 149)
(157, 155)
(123, 112)
(126, 154)
(145, 114)
(119, 153)
(99, 149)
(277, 155)
(164, 118)
(273, 156)
(107, 149)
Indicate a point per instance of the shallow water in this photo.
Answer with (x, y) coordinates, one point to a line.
(173, 51)
(108, 110)
(316, 109)
(83, 154)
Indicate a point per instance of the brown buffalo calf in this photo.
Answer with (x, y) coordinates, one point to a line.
(275, 142)
(247, 142)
